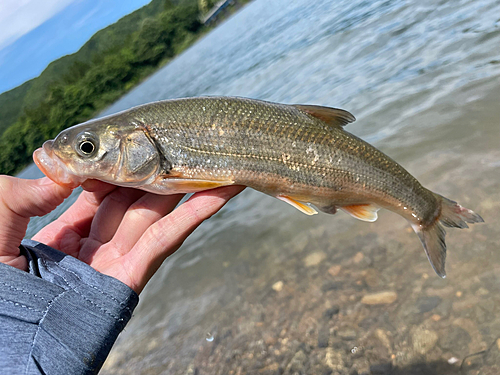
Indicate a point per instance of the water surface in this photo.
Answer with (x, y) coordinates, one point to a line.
(261, 288)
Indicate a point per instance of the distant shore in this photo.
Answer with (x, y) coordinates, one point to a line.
(84, 89)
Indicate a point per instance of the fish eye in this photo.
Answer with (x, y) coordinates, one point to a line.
(87, 147)
(87, 144)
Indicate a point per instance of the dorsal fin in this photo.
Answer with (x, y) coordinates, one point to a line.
(335, 117)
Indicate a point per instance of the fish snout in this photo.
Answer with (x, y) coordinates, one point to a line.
(53, 167)
(48, 146)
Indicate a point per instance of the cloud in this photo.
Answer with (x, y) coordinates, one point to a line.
(18, 17)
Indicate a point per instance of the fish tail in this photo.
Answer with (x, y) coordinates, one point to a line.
(455, 216)
(432, 236)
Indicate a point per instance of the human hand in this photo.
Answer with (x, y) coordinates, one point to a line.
(19, 201)
(121, 232)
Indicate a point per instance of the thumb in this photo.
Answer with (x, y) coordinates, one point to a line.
(19, 201)
(28, 198)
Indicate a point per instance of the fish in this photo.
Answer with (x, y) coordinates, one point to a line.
(300, 154)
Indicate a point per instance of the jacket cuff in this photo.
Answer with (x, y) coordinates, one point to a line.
(81, 322)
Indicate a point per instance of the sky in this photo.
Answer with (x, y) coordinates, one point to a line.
(36, 32)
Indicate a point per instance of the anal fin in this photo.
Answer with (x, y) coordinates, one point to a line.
(302, 207)
(365, 212)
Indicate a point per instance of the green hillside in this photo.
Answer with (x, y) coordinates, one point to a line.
(75, 87)
(11, 103)
(108, 38)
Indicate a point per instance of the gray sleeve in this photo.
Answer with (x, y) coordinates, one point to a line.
(61, 317)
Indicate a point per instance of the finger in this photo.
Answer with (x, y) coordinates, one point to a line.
(87, 204)
(77, 219)
(96, 185)
(20, 200)
(166, 235)
(29, 198)
(140, 216)
(111, 212)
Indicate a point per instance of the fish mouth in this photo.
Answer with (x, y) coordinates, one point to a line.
(53, 167)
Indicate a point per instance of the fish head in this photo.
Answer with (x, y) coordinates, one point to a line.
(109, 150)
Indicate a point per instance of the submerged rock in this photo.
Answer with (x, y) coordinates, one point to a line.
(423, 340)
(335, 269)
(297, 363)
(331, 285)
(333, 359)
(455, 339)
(347, 334)
(329, 313)
(380, 298)
(323, 337)
(426, 304)
(314, 259)
(278, 286)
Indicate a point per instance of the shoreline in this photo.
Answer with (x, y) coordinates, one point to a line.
(89, 108)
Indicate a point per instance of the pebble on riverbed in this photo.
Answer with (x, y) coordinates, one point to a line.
(323, 337)
(423, 340)
(380, 298)
(329, 313)
(278, 286)
(314, 259)
(334, 270)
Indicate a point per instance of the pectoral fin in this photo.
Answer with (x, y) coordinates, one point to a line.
(365, 212)
(172, 185)
(303, 207)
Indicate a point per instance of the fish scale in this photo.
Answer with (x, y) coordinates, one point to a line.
(261, 149)
(300, 154)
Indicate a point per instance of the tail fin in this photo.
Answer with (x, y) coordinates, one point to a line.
(432, 237)
(455, 216)
(433, 240)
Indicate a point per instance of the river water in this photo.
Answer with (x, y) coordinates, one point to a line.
(263, 289)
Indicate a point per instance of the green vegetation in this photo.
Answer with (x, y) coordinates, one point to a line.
(74, 88)
(11, 104)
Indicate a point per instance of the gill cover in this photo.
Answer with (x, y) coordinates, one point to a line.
(139, 159)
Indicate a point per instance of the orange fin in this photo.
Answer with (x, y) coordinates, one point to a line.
(308, 210)
(171, 185)
(335, 117)
(365, 212)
